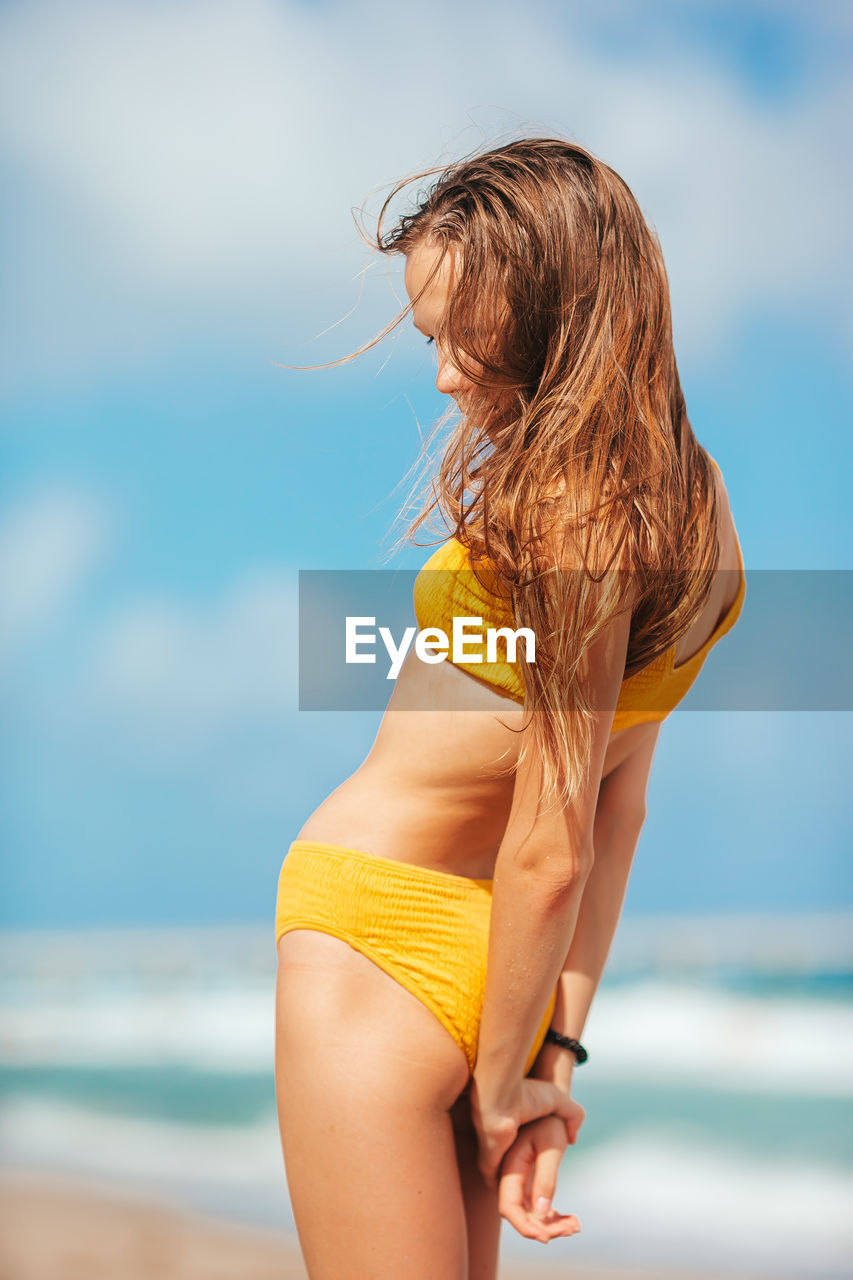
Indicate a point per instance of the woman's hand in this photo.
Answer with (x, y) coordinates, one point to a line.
(528, 1180)
(497, 1123)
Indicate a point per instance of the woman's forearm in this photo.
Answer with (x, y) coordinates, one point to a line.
(535, 903)
(615, 840)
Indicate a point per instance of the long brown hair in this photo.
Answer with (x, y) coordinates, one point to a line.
(577, 434)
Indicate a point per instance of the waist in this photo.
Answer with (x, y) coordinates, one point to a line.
(450, 831)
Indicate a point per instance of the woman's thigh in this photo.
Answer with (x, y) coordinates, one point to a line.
(365, 1079)
(482, 1216)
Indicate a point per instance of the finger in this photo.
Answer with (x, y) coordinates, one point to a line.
(520, 1158)
(511, 1206)
(515, 1175)
(545, 1182)
(524, 1224)
(514, 1200)
(558, 1224)
(527, 1195)
(573, 1125)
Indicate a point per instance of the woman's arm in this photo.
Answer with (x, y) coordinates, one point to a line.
(543, 864)
(537, 1151)
(619, 818)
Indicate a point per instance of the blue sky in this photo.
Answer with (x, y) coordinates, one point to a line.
(178, 191)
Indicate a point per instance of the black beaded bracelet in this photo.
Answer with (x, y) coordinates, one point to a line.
(566, 1042)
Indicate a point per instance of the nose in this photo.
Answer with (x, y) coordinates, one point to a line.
(448, 380)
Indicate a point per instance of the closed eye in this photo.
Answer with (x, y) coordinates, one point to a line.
(429, 340)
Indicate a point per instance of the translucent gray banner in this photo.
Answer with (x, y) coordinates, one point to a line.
(791, 648)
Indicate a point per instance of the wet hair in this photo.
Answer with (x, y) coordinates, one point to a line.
(573, 471)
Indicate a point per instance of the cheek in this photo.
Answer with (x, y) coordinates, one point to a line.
(471, 370)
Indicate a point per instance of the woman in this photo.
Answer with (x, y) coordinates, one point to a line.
(454, 900)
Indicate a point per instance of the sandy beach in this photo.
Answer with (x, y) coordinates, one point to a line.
(52, 1229)
(55, 1229)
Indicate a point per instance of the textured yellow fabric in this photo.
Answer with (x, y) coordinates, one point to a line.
(427, 929)
(447, 587)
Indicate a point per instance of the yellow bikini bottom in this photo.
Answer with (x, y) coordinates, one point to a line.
(427, 929)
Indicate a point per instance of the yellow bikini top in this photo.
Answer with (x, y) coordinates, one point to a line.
(649, 694)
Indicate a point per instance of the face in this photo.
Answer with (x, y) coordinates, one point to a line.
(429, 309)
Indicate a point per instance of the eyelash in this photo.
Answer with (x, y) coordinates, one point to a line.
(429, 340)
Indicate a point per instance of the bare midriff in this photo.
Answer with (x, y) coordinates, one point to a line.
(436, 787)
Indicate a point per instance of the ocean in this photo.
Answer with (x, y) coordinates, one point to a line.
(719, 1089)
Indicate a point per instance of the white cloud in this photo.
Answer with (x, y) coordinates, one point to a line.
(49, 544)
(208, 690)
(171, 676)
(194, 164)
(161, 678)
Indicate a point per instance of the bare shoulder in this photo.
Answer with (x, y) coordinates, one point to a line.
(571, 539)
(726, 531)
